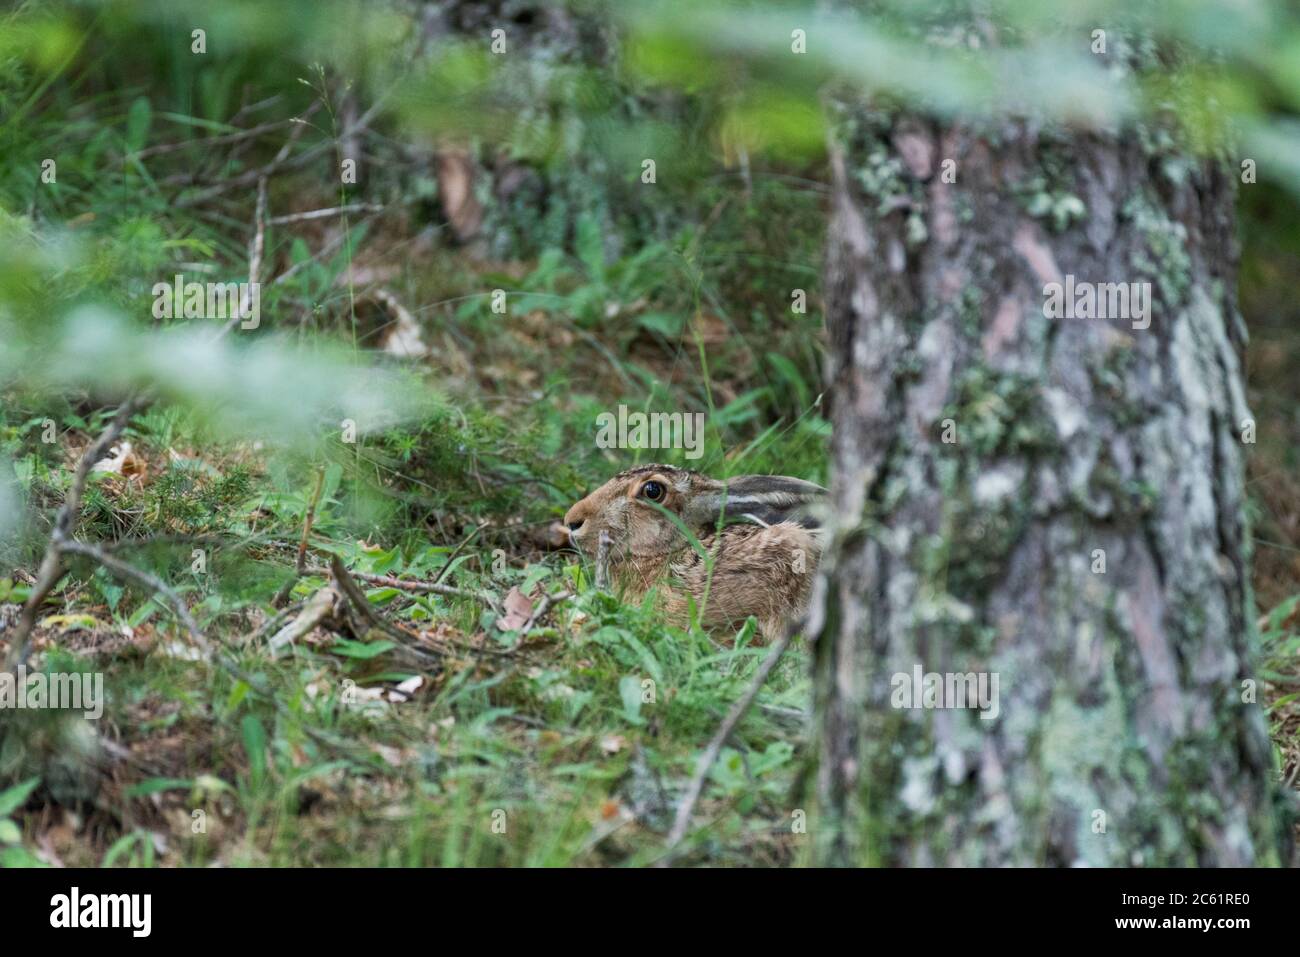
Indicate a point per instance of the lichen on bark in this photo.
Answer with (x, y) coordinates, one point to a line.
(1121, 738)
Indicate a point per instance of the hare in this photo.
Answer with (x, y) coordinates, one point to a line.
(762, 536)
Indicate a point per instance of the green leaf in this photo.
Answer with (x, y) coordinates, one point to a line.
(137, 124)
(10, 833)
(112, 593)
(156, 785)
(19, 857)
(666, 324)
(629, 689)
(237, 694)
(740, 409)
(142, 614)
(254, 746)
(787, 371)
(590, 246)
(363, 650)
(16, 796)
(123, 845)
(333, 476)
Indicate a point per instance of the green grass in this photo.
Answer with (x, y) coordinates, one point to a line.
(533, 750)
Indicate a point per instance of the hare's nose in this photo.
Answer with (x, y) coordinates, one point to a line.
(576, 516)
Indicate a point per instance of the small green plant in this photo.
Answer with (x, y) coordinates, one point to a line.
(12, 851)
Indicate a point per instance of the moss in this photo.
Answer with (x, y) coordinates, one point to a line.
(1165, 259)
(1001, 421)
(1127, 498)
(982, 542)
(1000, 413)
(1126, 406)
(1047, 192)
(875, 166)
(970, 310)
(880, 175)
(965, 210)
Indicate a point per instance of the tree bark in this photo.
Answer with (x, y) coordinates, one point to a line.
(1081, 534)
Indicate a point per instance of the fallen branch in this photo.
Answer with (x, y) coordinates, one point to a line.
(417, 587)
(325, 250)
(61, 543)
(720, 737)
(273, 622)
(317, 608)
(281, 160)
(300, 563)
(514, 654)
(166, 538)
(51, 569)
(362, 604)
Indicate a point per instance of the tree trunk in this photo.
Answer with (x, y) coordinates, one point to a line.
(1057, 501)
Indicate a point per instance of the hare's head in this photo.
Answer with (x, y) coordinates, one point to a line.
(637, 508)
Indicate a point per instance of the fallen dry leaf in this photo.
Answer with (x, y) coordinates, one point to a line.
(411, 685)
(406, 689)
(393, 756)
(400, 336)
(67, 623)
(518, 610)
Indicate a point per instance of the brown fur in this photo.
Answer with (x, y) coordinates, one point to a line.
(753, 561)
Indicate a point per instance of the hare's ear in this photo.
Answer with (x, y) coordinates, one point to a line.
(765, 499)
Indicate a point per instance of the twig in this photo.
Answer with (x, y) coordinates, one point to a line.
(326, 213)
(514, 654)
(720, 737)
(422, 588)
(545, 605)
(168, 538)
(324, 251)
(602, 561)
(60, 544)
(442, 572)
(210, 141)
(51, 569)
(255, 250)
(300, 564)
(273, 621)
(362, 604)
(358, 598)
(124, 570)
(316, 609)
(254, 107)
(252, 176)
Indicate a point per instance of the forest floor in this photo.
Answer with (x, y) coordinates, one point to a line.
(570, 744)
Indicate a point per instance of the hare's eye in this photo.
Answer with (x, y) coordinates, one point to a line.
(654, 491)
